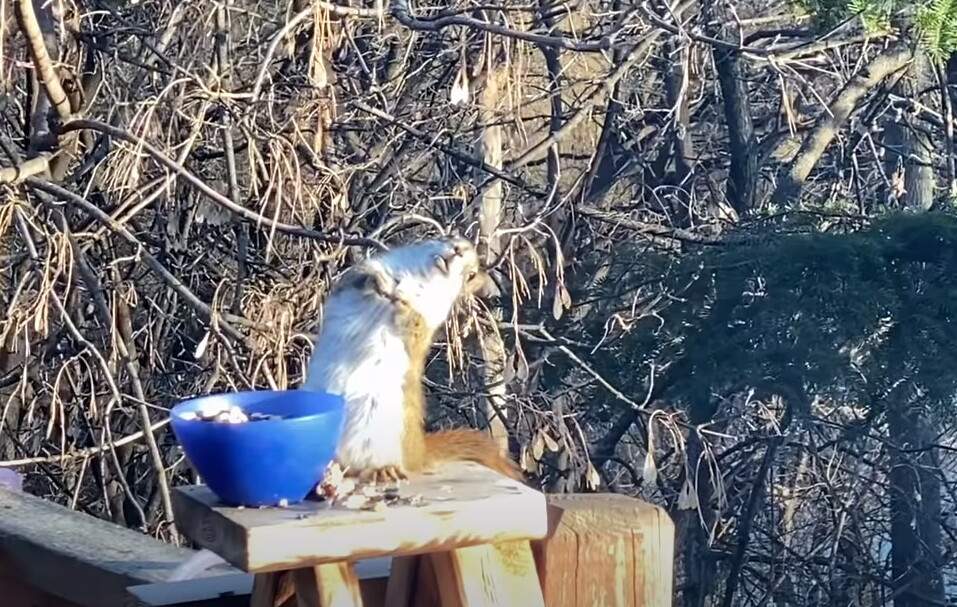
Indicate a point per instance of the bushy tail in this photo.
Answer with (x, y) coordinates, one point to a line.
(470, 446)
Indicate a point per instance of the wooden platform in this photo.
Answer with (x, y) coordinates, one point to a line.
(461, 505)
(600, 550)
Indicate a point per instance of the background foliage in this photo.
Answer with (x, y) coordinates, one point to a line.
(723, 235)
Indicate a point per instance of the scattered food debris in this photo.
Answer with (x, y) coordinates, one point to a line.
(337, 487)
(355, 501)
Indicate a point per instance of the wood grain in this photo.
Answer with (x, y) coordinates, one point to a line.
(332, 585)
(606, 550)
(462, 505)
(265, 587)
(501, 575)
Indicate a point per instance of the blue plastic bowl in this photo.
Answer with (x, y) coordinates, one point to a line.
(261, 463)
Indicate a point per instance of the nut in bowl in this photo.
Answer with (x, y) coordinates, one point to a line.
(260, 448)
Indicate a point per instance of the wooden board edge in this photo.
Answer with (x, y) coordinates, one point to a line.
(210, 530)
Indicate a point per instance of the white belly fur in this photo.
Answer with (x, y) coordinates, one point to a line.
(359, 355)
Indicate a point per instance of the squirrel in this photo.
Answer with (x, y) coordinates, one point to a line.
(378, 325)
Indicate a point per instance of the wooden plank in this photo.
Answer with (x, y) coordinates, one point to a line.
(233, 590)
(502, 575)
(426, 591)
(265, 589)
(606, 550)
(78, 557)
(401, 583)
(461, 505)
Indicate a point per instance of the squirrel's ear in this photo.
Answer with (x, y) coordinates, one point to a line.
(368, 280)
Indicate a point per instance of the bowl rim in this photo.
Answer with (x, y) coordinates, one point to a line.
(337, 407)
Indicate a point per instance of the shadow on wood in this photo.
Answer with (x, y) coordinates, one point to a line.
(79, 559)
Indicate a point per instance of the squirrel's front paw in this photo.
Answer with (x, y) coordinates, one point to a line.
(385, 474)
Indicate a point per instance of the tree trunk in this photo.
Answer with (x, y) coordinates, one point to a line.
(743, 173)
(917, 577)
(695, 524)
(490, 217)
(909, 144)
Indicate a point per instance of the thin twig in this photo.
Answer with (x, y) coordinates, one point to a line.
(598, 377)
(174, 283)
(86, 451)
(460, 156)
(403, 14)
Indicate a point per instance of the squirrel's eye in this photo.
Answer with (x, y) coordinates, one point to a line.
(470, 275)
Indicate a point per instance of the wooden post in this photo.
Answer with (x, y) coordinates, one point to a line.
(606, 550)
(490, 575)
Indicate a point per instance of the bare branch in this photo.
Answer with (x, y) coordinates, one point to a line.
(213, 194)
(41, 59)
(892, 60)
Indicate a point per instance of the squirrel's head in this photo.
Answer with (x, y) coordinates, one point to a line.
(461, 259)
(431, 276)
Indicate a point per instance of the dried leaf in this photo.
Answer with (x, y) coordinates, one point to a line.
(538, 445)
(557, 308)
(566, 298)
(592, 479)
(561, 302)
(201, 347)
(687, 499)
(550, 442)
(527, 462)
(649, 473)
(320, 77)
(519, 365)
(460, 88)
